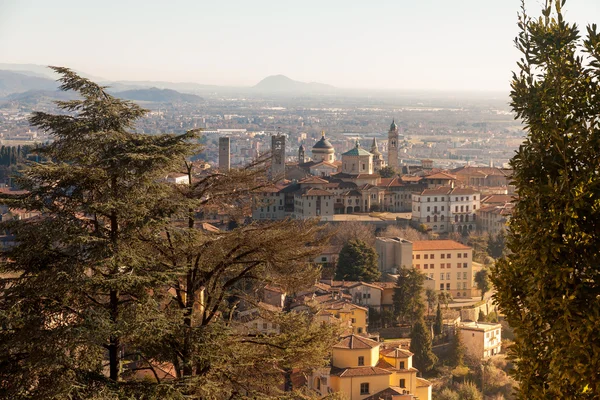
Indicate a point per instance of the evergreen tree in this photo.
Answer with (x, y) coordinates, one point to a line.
(357, 262)
(548, 287)
(432, 299)
(420, 346)
(496, 244)
(438, 325)
(387, 172)
(482, 280)
(407, 300)
(457, 350)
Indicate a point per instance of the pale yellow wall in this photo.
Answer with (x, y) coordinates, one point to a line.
(360, 320)
(458, 287)
(396, 361)
(410, 378)
(348, 358)
(387, 297)
(351, 385)
(424, 393)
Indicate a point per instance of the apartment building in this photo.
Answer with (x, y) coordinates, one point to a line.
(447, 262)
(446, 209)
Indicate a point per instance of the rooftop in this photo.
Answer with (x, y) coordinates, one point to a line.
(424, 245)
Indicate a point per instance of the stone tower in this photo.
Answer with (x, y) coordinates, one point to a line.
(301, 158)
(278, 157)
(224, 157)
(378, 162)
(393, 145)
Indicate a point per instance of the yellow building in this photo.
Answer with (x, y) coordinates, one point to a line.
(362, 369)
(351, 314)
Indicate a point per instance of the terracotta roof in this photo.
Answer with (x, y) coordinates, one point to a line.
(367, 284)
(423, 382)
(313, 179)
(316, 192)
(391, 393)
(407, 178)
(395, 353)
(358, 371)
(463, 191)
(356, 342)
(497, 199)
(385, 285)
(440, 175)
(383, 364)
(420, 245)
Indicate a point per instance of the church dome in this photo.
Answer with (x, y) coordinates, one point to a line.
(323, 143)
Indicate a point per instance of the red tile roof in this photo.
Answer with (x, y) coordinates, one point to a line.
(356, 342)
(358, 371)
(424, 245)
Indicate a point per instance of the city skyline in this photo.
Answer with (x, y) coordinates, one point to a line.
(430, 45)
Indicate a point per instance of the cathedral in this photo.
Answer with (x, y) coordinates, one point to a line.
(324, 186)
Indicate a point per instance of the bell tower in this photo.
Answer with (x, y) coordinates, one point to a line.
(393, 145)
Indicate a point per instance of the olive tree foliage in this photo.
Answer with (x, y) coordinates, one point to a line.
(549, 286)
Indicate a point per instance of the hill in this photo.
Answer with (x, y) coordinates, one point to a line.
(159, 96)
(14, 82)
(282, 84)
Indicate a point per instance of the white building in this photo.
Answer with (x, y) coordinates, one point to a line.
(313, 202)
(481, 339)
(446, 209)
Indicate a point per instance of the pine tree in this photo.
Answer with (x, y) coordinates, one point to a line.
(548, 287)
(420, 346)
(482, 280)
(357, 262)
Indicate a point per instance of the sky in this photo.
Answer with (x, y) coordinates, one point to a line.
(378, 44)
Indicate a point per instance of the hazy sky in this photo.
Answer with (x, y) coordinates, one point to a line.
(396, 44)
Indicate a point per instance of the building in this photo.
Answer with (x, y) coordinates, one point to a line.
(393, 138)
(313, 202)
(278, 157)
(446, 209)
(378, 161)
(224, 154)
(362, 368)
(481, 339)
(357, 161)
(323, 150)
(494, 218)
(449, 264)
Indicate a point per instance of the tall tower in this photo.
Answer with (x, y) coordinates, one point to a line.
(224, 151)
(278, 157)
(393, 145)
(378, 162)
(301, 154)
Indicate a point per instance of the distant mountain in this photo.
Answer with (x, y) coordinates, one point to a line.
(13, 82)
(282, 84)
(42, 71)
(159, 96)
(36, 96)
(178, 86)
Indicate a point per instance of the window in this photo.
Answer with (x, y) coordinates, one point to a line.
(465, 255)
(428, 208)
(465, 286)
(265, 325)
(402, 383)
(441, 286)
(353, 320)
(364, 388)
(418, 266)
(457, 265)
(361, 361)
(323, 259)
(465, 265)
(448, 256)
(418, 256)
(456, 209)
(448, 276)
(435, 199)
(428, 199)
(401, 364)
(443, 256)
(431, 275)
(442, 265)
(428, 218)
(458, 275)
(464, 275)
(360, 330)
(432, 256)
(426, 256)
(442, 276)
(442, 206)
(426, 266)
(447, 286)
(459, 255)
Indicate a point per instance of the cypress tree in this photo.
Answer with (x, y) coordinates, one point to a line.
(439, 321)
(548, 287)
(420, 346)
